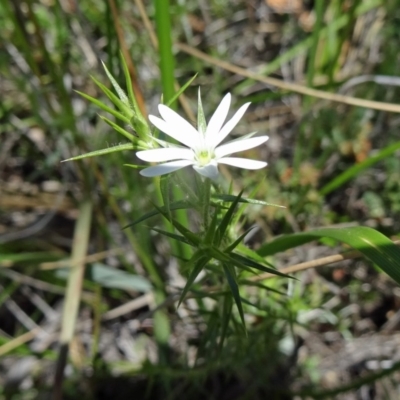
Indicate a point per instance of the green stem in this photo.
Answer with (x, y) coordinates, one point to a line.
(205, 202)
(163, 24)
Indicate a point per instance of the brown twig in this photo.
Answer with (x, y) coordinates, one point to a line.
(290, 86)
(319, 262)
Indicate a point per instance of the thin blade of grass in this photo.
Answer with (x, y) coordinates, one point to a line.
(372, 244)
(74, 288)
(356, 169)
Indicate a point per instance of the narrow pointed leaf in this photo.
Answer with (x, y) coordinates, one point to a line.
(179, 238)
(118, 89)
(178, 205)
(120, 130)
(242, 208)
(165, 193)
(262, 286)
(124, 108)
(129, 86)
(356, 169)
(201, 119)
(245, 251)
(231, 198)
(226, 316)
(372, 244)
(233, 245)
(210, 234)
(108, 150)
(231, 278)
(197, 263)
(223, 226)
(181, 90)
(241, 260)
(105, 108)
(179, 227)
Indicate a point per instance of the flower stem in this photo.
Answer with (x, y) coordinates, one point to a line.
(205, 195)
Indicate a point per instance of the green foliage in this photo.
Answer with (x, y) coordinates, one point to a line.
(328, 165)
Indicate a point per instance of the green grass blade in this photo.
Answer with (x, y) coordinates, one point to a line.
(353, 171)
(372, 244)
(166, 58)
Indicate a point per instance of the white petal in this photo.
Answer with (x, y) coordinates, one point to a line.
(165, 168)
(242, 163)
(239, 145)
(166, 154)
(219, 117)
(226, 130)
(185, 136)
(209, 171)
(188, 132)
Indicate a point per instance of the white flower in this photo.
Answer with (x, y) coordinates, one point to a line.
(203, 151)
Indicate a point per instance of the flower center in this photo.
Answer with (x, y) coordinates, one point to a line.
(203, 157)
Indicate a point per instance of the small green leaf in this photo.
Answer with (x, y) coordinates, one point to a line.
(165, 193)
(210, 234)
(223, 226)
(181, 90)
(111, 278)
(197, 263)
(231, 278)
(124, 108)
(231, 198)
(128, 82)
(120, 130)
(189, 235)
(178, 205)
(244, 250)
(105, 108)
(118, 279)
(262, 286)
(233, 245)
(113, 149)
(240, 260)
(120, 92)
(134, 166)
(201, 119)
(226, 316)
(179, 238)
